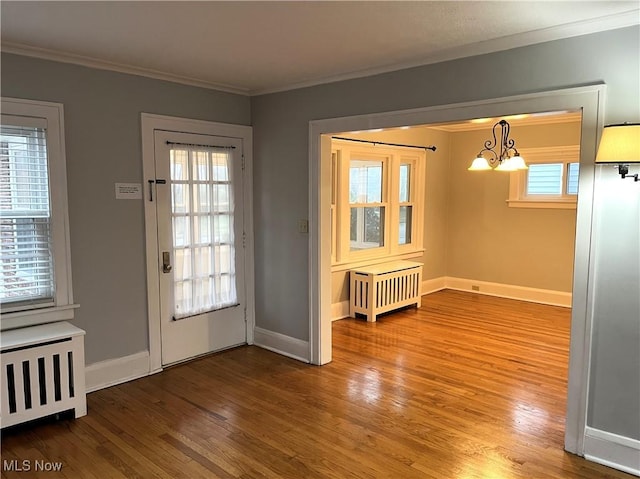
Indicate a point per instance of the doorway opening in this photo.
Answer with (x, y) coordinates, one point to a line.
(426, 206)
(587, 100)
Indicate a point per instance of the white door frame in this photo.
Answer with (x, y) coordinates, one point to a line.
(150, 123)
(590, 99)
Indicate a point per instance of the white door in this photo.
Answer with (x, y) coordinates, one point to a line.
(199, 208)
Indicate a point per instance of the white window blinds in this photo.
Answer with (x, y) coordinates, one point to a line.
(545, 179)
(26, 257)
(552, 179)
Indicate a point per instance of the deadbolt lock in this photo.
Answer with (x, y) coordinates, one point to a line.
(166, 262)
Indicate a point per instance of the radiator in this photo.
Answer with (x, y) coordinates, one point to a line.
(384, 287)
(42, 372)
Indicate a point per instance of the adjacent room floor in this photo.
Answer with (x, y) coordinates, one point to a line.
(467, 386)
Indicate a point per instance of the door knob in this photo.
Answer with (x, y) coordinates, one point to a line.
(166, 262)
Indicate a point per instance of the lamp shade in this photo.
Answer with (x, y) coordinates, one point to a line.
(507, 165)
(517, 163)
(479, 164)
(620, 144)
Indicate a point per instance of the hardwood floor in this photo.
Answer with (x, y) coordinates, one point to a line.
(467, 386)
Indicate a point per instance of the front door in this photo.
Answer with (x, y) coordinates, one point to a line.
(198, 188)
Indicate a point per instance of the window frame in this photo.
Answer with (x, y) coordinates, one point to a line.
(518, 197)
(28, 112)
(383, 204)
(342, 257)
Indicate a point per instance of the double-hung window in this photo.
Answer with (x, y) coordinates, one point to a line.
(366, 206)
(551, 180)
(35, 285)
(377, 203)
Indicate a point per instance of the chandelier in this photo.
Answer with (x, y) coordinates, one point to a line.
(503, 155)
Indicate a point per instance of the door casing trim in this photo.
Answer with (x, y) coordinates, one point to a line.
(589, 99)
(150, 123)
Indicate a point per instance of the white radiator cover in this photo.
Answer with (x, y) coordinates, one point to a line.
(42, 372)
(384, 287)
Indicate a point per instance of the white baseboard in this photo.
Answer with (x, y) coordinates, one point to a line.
(432, 285)
(116, 371)
(535, 295)
(612, 450)
(522, 293)
(340, 310)
(281, 344)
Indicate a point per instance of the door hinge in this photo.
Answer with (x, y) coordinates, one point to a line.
(243, 162)
(244, 239)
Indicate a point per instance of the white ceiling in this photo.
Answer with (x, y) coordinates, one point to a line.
(258, 47)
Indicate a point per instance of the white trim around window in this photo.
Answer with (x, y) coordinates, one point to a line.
(357, 201)
(565, 158)
(27, 113)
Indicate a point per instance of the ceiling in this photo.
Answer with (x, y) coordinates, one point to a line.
(259, 47)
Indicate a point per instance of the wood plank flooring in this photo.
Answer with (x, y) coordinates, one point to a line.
(467, 386)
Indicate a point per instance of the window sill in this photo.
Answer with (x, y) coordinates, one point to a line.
(543, 204)
(21, 319)
(380, 259)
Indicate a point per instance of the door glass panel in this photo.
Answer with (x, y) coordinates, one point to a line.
(200, 166)
(222, 228)
(179, 198)
(201, 198)
(202, 229)
(203, 247)
(181, 230)
(221, 198)
(220, 167)
(182, 264)
(179, 165)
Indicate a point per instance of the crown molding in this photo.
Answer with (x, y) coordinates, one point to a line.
(611, 22)
(65, 57)
(585, 27)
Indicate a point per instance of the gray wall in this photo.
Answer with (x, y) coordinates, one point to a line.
(615, 366)
(281, 189)
(102, 115)
(103, 143)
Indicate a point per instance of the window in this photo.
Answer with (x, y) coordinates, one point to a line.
(551, 181)
(366, 209)
(35, 284)
(377, 201)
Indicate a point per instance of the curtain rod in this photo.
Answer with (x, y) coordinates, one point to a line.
(195, 144)
(432, 148)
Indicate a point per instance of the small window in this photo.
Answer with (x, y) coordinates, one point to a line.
(35, 284)
(551, 180)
